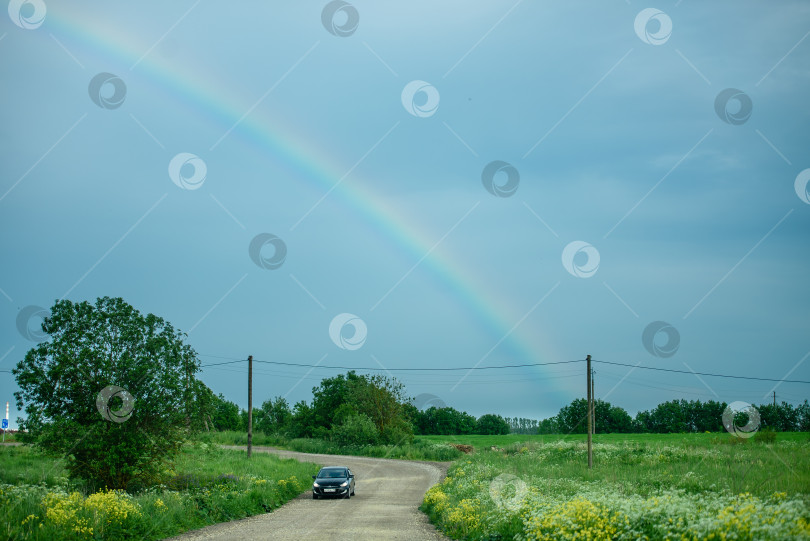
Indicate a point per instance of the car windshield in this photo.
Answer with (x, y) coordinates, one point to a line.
(332, 474)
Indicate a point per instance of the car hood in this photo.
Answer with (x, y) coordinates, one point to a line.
(331, 481)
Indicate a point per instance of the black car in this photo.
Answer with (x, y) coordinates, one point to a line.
(333, 481)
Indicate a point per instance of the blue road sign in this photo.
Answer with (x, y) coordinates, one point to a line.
(4, 424)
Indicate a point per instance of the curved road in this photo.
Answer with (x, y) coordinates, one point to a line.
(385, 506)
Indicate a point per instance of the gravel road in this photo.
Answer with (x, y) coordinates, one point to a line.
(385, 506)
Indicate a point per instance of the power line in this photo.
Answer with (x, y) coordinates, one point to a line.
(495, 367)
(393, 369)
(704, 373)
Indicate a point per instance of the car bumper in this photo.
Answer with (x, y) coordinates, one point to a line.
(326, 492)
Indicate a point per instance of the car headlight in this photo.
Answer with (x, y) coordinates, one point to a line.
(344, 484)
(316, 485)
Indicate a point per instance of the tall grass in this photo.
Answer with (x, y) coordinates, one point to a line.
(656, 487)
(205, 485)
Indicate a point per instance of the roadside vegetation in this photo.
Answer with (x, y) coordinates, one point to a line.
(703, 486)
(418, 449)
(204, 485)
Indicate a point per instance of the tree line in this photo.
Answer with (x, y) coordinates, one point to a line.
(674, 416)
(349, 409)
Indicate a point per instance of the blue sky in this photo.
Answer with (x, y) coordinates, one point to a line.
(684, 210)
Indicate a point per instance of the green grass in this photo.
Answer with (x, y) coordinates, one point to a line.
(420, 449)
(205, 485)
(537, 486)
(485, 442)
(24, 465)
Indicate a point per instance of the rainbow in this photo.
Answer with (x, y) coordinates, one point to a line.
(123, 52)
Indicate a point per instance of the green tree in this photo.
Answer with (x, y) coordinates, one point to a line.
(548, 426)
(447, 420)
(356, 430)
(330, 400)
(490, 424)
(111, 390)
(573, 418)
(302, 424)
(226, 414)
(203, 406)
(382, 399)
(275, 416)
(804, 416)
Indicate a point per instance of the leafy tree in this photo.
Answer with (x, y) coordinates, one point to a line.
(491, 424)
(381, 399)
(275, 416)
(573, 418)
(447, 421)
(330, 400)
(203, 406)
(781, 417)
(108, 435)
(302, 424)
(804, 416)
(356, 429)
(226, 414)
(377, 397)
(548, 426)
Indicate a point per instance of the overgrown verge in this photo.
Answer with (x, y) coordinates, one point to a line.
(540, 492)
(418, 450)
(205, 485)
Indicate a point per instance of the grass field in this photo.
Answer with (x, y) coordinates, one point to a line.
(642, 486)
(204, 486)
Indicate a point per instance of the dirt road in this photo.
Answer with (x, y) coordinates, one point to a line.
(385, 506)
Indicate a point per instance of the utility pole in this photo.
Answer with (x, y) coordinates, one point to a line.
(593, 403)
(774, 399)
(590, 399)
(250, 405)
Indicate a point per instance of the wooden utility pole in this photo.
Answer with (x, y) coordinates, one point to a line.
(250, 405)
(774, 399)
(590, 420)
(593, 404)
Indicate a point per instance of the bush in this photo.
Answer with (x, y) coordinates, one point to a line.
(766, 435)
(356, 430)
(397, 434)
